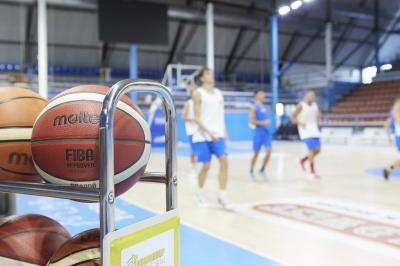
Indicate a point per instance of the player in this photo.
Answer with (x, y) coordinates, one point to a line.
(306, 117)
(190, 125)
(210, 136)
(395, 117)
(261, 119)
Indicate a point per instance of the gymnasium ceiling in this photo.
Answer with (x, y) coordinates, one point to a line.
(242, 34)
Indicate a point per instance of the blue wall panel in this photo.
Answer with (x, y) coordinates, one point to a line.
(237, 124)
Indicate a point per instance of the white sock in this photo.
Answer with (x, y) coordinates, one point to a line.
(200, 191)
(222, 193)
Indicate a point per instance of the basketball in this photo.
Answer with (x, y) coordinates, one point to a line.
(29, 239)
(83, 250)
(18, 111)
(68, 129)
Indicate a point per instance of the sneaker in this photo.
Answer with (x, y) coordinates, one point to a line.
(315, 176)
(262, 174)
(192, 174)
(302, 164)
(200, 200)
(252, 176)
(223, 202)
(386, 174)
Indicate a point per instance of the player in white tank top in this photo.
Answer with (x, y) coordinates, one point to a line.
(190, 125)
(306, 117)
(209, 138)
(396, 117)
(212, 116)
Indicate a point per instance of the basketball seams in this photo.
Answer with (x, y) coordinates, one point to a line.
(19, 261)
(90, 96)
(16, 140)
(2, 237)
(16, 172)
(12, 133)
(20, 98)
(94, 251)
(123, 98)
(88, 138)
(7, 127)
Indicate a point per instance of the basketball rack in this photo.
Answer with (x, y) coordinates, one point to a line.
(105, 195)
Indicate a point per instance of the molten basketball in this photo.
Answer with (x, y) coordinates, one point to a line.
(82, 250)
(30, 239)
(18, 111)
(65, 139)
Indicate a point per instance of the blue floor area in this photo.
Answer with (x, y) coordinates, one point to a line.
(377, 171)
(197, 248)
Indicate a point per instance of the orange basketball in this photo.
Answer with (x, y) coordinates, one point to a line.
(65, 139)
(83, 250)
(30, 239)
(18, 111)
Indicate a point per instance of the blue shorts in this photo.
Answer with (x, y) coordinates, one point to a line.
(205, 149)
(261, 138)
(312, 143)
(191, 146)
(398, 142)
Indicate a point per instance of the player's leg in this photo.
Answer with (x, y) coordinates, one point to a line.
(315, 147)
(223, 172)
(193, 159)
(267, 142)
(193, 171)
(256, 149)
(219, 149)
(203, 174)
(388, 170)
(203, 155)
(303, 160)
(253, 163)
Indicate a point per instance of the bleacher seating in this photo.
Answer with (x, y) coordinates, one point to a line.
(375, 98)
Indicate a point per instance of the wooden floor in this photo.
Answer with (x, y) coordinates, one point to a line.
(349, 217)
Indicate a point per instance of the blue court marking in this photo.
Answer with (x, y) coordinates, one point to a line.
(378, 172)
(197, 248)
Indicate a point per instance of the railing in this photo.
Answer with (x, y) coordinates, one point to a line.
(354, 120)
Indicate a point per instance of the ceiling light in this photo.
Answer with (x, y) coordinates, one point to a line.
(386, 67)
(296, 4)
(284, 10)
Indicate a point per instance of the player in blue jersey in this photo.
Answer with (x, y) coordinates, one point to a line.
(261, 119)
(393, 126)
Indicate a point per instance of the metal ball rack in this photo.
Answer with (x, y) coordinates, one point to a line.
(105, 195)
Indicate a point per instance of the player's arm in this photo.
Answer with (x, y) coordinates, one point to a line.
(396, 116)
(295, 116)
(185, 112)
(254, 121)
(197, 115)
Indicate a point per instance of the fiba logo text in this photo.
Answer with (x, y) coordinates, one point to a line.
(80, 158)
(79, 154)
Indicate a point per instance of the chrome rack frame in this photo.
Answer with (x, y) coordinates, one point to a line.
(105, 195)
